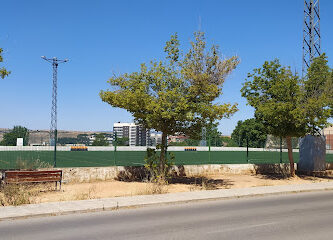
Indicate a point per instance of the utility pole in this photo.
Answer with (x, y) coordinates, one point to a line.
(53, 127)
(311, 34)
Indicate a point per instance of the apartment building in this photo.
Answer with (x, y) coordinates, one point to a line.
(136, 134)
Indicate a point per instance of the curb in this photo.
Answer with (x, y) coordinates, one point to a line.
(109, 204)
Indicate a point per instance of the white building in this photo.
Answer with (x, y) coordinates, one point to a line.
(155, 138)
(136, 134)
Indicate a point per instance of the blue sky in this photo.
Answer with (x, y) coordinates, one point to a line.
(105, 37)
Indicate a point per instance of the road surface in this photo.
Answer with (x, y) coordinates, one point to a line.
(294, 216)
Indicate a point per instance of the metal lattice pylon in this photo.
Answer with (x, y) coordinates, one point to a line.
(311, 33)
(53, 127)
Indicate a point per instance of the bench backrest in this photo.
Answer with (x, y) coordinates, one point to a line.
(32, 176)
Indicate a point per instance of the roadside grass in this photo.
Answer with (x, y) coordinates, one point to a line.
(153, 188)
(90, 194)
(19, 194)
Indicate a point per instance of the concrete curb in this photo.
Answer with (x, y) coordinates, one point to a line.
(59, 208)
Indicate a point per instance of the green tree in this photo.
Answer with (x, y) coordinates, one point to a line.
(10, 138)
(275, 93)
(318, 95)
(100, 140)
(213, 136)
(3, 71)
(175, 95)
(67, 140)
(227, 142)
(250, 131)
(83, 139)
(122, 141)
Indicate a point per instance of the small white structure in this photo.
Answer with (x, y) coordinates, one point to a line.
(19, 142)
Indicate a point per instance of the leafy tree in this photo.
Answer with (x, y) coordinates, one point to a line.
(330, 92)
(175, 95)
(212, 135)
(122, 141)
(83, 139)
(67, 140)
(276, 95)
(10, 138)
(228, 142)
(318, 95)
(250, 131)
(3, 71)
(100, 140)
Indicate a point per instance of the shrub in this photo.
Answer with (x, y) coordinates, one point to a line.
(152, 165)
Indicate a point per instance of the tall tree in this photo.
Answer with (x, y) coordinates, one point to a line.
(275, 93)
(175, 95)
(3, 71)
(251, 132)
(10, 138)
(318, 94)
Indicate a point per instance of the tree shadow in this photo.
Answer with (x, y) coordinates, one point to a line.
(202, 181)
(177, 176)
(133, 174)
(273, 171)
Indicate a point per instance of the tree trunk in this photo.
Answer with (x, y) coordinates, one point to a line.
(163, 155)
(290, 156)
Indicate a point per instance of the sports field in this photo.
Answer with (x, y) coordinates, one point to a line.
(11, 159)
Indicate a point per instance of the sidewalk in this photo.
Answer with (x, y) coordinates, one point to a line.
(56, 208)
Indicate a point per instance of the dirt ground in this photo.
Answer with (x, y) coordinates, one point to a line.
(107, 189)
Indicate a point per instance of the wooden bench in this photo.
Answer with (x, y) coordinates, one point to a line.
(33, 177)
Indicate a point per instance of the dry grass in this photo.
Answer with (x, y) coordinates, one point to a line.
(15, 194)
(90, 194)
(152, 188)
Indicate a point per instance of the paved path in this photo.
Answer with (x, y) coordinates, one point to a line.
(305, 216)
(56, 208)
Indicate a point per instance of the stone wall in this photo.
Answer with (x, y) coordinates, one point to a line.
(86, 174)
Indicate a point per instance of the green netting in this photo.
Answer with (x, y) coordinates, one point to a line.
(13, 159)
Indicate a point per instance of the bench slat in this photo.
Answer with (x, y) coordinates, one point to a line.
(16, 180)
(33, 176)
(19, 175)
(31, 172)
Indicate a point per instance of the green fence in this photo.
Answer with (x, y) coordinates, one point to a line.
(17, 159)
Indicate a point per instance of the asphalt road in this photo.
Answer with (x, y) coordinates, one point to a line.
(296, 216)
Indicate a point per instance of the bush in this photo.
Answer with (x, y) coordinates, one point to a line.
(156, 174)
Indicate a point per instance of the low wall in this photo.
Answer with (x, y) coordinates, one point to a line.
(86, 174)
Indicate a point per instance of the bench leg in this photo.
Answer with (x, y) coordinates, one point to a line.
(56, 186)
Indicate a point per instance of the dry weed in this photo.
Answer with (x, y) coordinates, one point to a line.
(15, 194)
(153, 188)
(90, 194)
